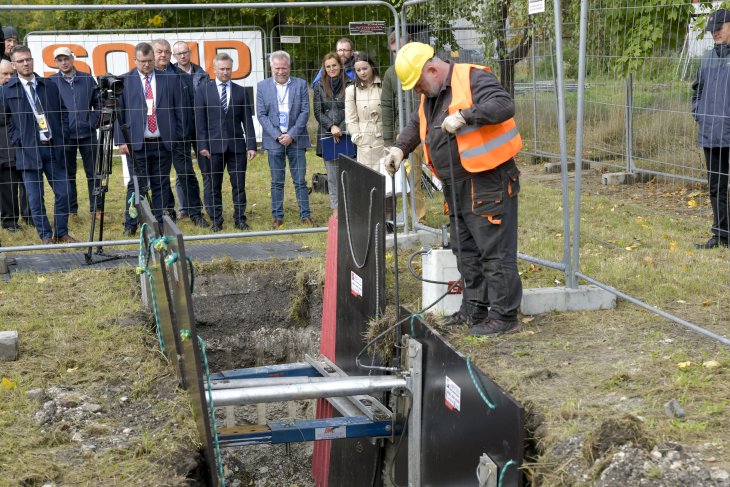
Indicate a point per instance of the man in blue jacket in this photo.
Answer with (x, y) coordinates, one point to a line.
(226, 139)
(282, 107)
(37, 120)
(79, 95)
(711, 110)
(151, 109)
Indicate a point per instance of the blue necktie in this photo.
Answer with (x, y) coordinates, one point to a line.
(224, 98)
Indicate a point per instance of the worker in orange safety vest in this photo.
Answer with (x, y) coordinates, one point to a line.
(465, 123)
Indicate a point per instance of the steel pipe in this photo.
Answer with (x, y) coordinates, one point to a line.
(274, 381)
(352, 387)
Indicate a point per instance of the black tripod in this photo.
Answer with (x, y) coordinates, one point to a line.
(110, 88)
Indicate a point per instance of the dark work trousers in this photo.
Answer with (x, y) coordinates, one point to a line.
(486, 245)
(236, 164)
(188, 189)
(87, 147)
(154, 162)
(10, 181)
(716, 159)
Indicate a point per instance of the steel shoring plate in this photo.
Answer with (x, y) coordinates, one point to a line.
(68, 260)
(458, 423)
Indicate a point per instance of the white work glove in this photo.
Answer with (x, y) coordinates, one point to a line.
(393, 160)
(454, 122)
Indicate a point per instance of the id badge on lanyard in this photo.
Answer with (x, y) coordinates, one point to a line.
(284, 121)
(40, 119)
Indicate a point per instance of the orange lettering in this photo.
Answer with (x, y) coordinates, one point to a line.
(102, 51)
(78, 51)
(211, 48)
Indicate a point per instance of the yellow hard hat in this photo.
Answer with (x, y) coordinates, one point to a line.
(409, 62)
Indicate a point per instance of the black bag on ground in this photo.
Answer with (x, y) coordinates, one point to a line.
(319, 183)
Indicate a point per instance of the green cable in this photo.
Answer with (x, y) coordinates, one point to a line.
(504, 469)
(478, 387)
(212, 414)
(192, 273)
(156, 310)
(413, 317)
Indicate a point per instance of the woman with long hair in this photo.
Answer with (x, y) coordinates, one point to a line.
(329, 110)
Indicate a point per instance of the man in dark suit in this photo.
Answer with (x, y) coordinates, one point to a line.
(188, 189)
(150, 108)
(282, 107)
(226, 138)
(37, 120)
(79, 94)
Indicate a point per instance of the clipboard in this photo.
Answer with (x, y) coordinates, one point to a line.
(332, 150)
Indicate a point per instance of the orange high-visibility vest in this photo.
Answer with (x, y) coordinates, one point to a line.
(480, 148)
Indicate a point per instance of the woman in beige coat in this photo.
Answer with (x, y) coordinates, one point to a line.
(363, 113)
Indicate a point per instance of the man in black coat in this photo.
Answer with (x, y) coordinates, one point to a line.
(226, 138)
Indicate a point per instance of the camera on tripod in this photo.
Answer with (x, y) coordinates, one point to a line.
(110, 86)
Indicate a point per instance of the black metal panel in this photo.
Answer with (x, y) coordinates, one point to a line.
(453, 440)
(189, 354)
(360, 292)
(360, 257)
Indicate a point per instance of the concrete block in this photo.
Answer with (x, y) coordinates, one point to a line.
(8, 346)
(413, 240)
(614, 178)
(585, 298)
(556, 167)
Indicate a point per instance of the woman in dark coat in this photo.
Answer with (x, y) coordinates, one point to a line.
(329, 110)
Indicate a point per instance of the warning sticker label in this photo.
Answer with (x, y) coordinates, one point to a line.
(330, 433)
(355, 284)
(452, 395)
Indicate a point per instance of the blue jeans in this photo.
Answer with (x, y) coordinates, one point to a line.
(298, 170)
(53, 168)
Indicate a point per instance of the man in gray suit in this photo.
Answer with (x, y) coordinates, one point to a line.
(282, 108)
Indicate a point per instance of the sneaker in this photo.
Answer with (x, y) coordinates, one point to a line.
(457, 319)
(713, 243)
(494, 327)
(64, 239)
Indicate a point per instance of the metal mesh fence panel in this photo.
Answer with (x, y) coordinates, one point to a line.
(642, 238)
(211, 195)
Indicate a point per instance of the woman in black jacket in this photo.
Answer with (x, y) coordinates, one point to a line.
(329, 110)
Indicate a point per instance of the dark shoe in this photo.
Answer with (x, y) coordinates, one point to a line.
(216, 227)
(129, 232)
(242, 226)
(713, 243)
(13, 228)
(199, 221)
(457, 319)
(47, 241)
(64, 239)
(494, 327)
(389, 227)
(277, 223)
(308, 221)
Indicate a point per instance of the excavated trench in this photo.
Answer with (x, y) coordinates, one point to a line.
(261, 314)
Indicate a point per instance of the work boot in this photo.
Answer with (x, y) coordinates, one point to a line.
(458, 318)
(713, 243)
(494, 327)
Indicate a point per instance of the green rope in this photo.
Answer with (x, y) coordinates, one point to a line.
(504, 469)
(192, 273)
(171, 258)
(212, 414)
(132, 208)
(478, 387)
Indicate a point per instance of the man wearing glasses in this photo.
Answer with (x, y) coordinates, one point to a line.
(150, 107)
(345, 49)
(37, 120)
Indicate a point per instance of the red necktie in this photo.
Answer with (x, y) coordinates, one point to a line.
(151, 119)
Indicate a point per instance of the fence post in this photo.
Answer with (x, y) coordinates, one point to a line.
(629, 123)
(534, 93)
(560, 88)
